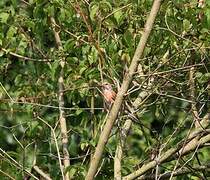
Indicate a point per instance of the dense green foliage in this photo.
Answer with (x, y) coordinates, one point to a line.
(98, 38)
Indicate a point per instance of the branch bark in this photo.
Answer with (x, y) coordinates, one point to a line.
(125, 129)
(173, 153)
(42, 173)
(193, 96)
(62, 117)
(178, 172)
(120, 95)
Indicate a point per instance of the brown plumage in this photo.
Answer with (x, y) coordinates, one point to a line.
(108, 93)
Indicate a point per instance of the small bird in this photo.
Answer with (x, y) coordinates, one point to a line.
(108, 93)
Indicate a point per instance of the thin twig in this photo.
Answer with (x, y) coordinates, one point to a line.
(15, 163)
(171, 70)
(56, 145)
(24, 57)
(12, 100)
(7, 175)
(121, 8)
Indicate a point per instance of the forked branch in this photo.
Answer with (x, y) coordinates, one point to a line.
(120, 95)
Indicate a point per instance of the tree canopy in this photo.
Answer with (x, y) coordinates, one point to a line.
(55, 56)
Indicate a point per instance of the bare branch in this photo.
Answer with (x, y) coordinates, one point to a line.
(7, 175)
(44, 175)
(120, 95)
(178, 172)
(172, 153)
(62, 117)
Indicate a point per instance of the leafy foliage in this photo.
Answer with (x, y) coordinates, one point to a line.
(99, 38)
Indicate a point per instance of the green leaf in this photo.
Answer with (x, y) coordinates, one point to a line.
(78, 111)
(206, 77)
(202, 78)
(128, 38)
(18, 80)
(50, 10)
(3, 17)
(105, 5)
(186, 25)
(11, 32)
(93, 12)
(72, 171)
(82, 70)
(83, 145)
(69, 44)
(118, 16)
(34, 125)
(198, 74)
(14, 3)
(22, 46)
(204, 31)
(54, 68)
(207, 13)
(1, 53)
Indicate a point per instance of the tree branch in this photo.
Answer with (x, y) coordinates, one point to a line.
(43, 174)
(178, 172)
(173, 153)
(62, 117)
(24, 57)
(120, 95)
(125, 129)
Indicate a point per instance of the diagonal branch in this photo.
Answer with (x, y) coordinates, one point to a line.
(125, 130)
(120, 95)
(168, 155)
(13, 162)
(42, 173)
(178, 172)
(174, 153)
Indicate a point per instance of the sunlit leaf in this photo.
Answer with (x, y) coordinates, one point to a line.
(3, 17)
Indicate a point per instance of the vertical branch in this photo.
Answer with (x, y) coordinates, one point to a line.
(120, 95)
(62, 117)
(192, 96)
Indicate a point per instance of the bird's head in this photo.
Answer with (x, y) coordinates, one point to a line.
(107, 86)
